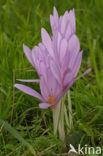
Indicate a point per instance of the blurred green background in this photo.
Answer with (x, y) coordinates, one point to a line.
(31, 128)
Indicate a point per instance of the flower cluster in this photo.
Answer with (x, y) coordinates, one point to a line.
(57, 60)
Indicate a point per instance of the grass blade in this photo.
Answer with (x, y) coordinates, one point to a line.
(15, 133)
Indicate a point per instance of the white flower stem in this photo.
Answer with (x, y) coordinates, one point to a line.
(60, 116)
(56, 113)
(58, 120)
(61, 122)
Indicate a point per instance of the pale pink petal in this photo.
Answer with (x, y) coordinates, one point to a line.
(65, 62)
(47, 41)
(51, 21)
(68, 78)
(65, 90)
(58, 42)
(44, 88)
(22, 80)
(55, 13)
(68, 86)
(72, 20)
(74, 48)
(52, 83)
(77, 64)
(68, 32)
(60, 20)
(35, 54)
(64, 22)
(44, 105)
(55, 71)
(28, 54)
(53, 25)
(86, 72)
(74, 44)
(29, 91)
(42, 47)
(43, 70)
(63, 48)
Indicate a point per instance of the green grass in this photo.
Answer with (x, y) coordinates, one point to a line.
(32, 130)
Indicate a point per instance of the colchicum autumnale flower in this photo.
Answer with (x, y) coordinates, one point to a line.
(57, 60)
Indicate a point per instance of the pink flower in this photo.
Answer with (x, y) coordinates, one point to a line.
(63, 47)
(49, 86)
(57, 60)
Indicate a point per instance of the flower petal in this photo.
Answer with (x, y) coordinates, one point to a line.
(55, 71)
(59, 38)
(63, 93)
(28, 54)
(52, 21)
(68, 78)
(56, 18)
(29, 91)
(74, 43)
(74, 48)
(44, 88)
(53, 86)
(77, 64)
(63, 48)
(72, 20)
(68, 32)
(22, 80)
(44, 105)
(43, 70)
(35, 53)
(55, 13)
(47, 41)
(64, 22)
(54, 26)
(86, 72)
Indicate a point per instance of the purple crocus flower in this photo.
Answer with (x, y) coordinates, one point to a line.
(63, 47)
(57, 60)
